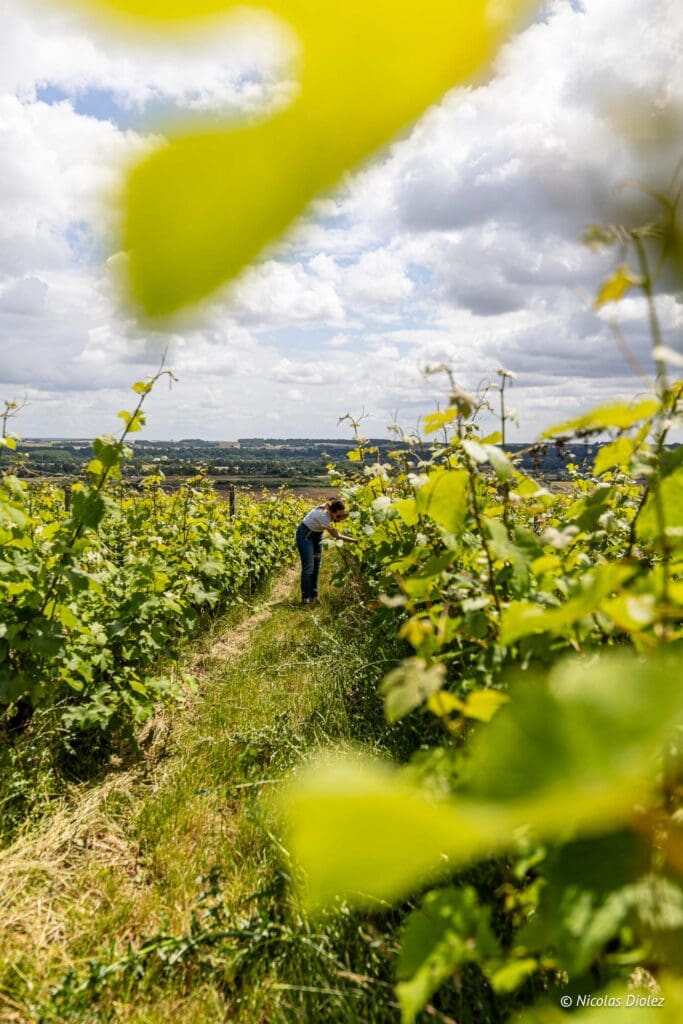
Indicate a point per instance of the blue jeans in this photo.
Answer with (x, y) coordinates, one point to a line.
(310, 548)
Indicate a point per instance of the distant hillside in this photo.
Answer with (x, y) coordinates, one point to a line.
(297, 461)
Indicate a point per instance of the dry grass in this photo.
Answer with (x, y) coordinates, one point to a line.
(62, 874)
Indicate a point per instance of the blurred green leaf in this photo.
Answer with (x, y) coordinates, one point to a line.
(619, 415)
(670, 493)
(522, 618)
(449, 929)
(630, 612)
(575, 755)
(618, 453)
(483, 704)
(616, 286)
(437, 420)
(205, 205)
(561, 750)
(408, 686)
(587, 897)
(511, 974)
(359, 830)
(407, 510)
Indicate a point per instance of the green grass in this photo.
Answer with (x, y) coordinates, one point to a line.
(162, 891)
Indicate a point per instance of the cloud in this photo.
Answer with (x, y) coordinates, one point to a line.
(25, 296)
(57, 171)
(378, 279)
(460, 243)
(338, 341)
(235, 65)
(280, 294)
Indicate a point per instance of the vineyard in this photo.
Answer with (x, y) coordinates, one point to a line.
(525, 644)
(97, 599)
(544, 632)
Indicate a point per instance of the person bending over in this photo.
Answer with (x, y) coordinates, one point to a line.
(309, 537)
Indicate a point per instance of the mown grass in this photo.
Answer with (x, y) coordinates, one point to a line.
(162, 889)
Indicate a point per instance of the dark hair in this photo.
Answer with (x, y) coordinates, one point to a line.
(336, 505)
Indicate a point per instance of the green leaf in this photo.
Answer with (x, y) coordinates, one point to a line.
(449, 929)
(587, 897)
(582, 747)
(359, 830)
(483, 704)
(618, 453)
(13, 514)
(88, 508)
(94, 469)
(521, 618)
(407, 510)
(658, 902)
(619, 415)
(587, 510)
(480, 705)
(142, 387)
(598, 863)
(437, 420)
(443, 703)
(108, 450)
(506, 550)
(67, 617)
(420, 583)
(206, 203)
(576, 756)
(134, 421)
(670, 493)
(616, 286)
(14, 486)
(630, 612)
(511, 975)
(408, 686)
(444, 498)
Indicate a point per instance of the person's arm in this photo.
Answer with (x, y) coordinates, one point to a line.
(341, 536)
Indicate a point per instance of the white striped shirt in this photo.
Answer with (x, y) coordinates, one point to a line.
(317, 519)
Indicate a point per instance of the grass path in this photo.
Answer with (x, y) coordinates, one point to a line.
(100, 902)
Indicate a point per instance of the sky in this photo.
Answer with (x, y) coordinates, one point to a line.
(459, 244)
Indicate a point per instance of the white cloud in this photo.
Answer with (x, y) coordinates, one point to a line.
(279, 294)
(237, 64)
(25, 296)
(460, 243)
(378, 279)
(338, 341)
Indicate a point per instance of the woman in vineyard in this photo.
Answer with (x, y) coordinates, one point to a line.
(309, 536)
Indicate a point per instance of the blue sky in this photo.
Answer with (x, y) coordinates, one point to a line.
(460, 243)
